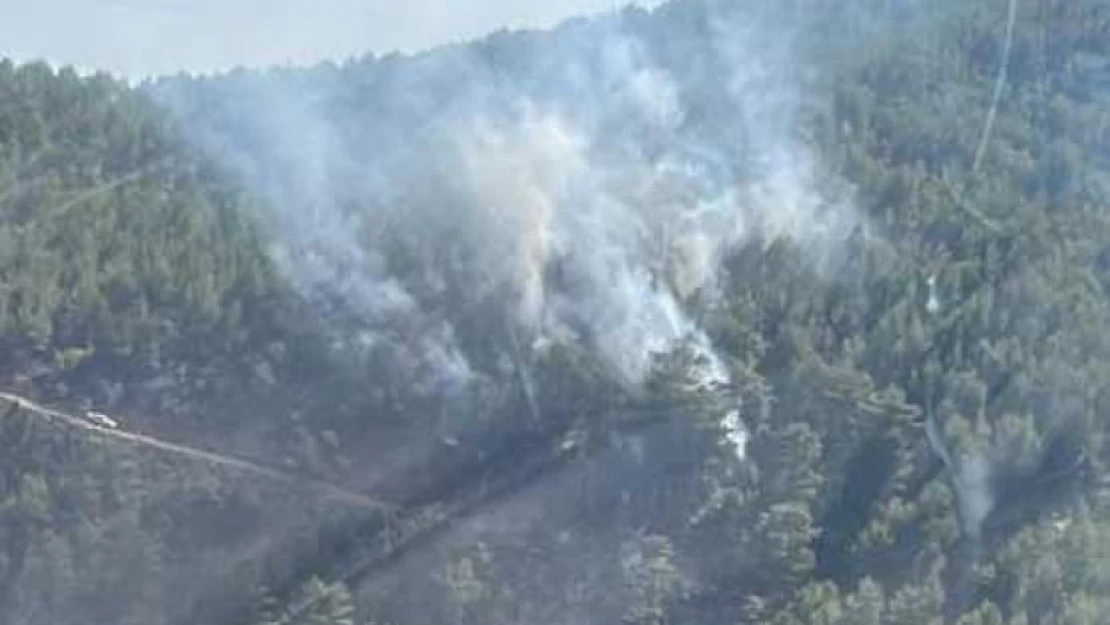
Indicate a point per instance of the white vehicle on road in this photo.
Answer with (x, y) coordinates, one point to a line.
(100, 419)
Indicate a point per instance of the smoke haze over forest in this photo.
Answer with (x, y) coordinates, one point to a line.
(709, 311)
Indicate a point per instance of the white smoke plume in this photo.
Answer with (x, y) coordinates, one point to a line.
(601, 184)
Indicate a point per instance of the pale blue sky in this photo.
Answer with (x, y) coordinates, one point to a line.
(139, 37)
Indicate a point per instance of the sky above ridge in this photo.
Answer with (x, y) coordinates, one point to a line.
(137, 38)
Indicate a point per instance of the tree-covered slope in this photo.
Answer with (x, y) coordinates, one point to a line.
(133, 278)
(432, 279)
(124, 251)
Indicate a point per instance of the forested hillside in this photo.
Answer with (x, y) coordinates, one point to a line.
(765, 312)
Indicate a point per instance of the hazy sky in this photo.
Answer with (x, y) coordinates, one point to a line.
(139, 37)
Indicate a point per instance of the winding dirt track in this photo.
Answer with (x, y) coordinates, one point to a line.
(112, 435)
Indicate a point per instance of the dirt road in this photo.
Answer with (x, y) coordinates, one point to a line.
(121, 436)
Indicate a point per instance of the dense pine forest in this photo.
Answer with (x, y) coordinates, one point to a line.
(721, 313)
